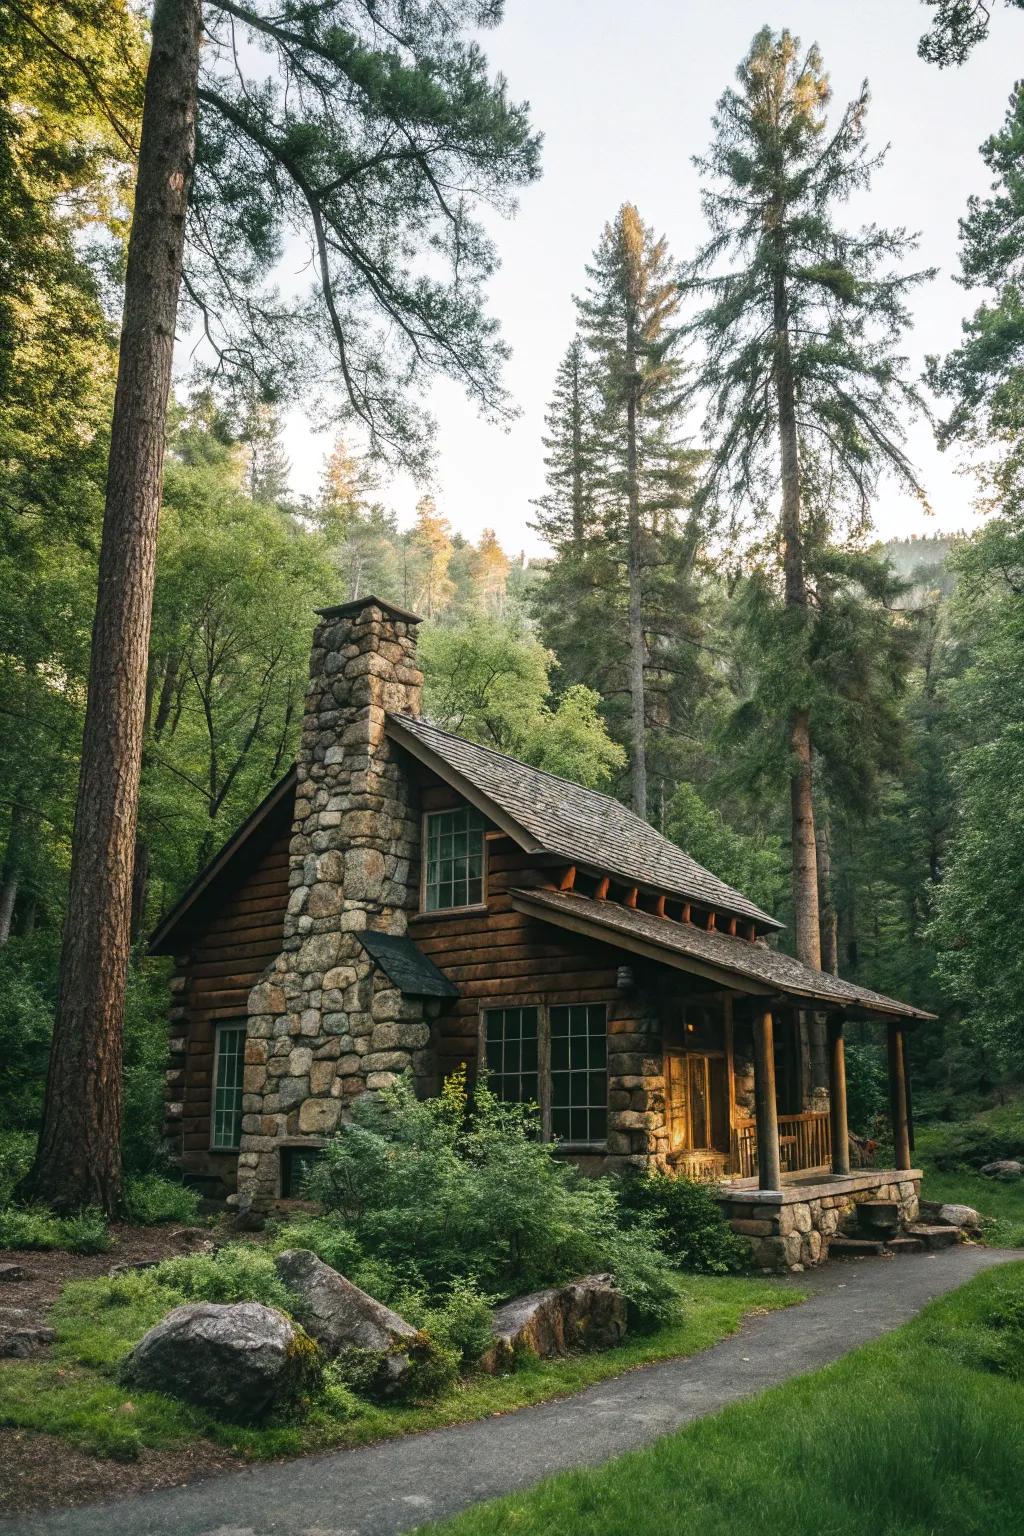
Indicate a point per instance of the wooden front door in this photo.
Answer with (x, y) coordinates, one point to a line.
(697, 1100)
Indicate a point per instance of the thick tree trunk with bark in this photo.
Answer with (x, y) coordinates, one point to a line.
(637, 653)
(78, 1161)
(805, 863)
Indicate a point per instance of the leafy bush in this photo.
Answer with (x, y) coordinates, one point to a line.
(867, 1087)
(691, 1227)
(17, 1149)
(987, 1138)
(150, 1199)
(34, 1226)
(460, 1322)
(442, 1192)
(239, 1272)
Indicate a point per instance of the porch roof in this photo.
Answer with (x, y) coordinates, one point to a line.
(736, 963)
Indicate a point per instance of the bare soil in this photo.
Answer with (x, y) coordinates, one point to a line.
(40, 1472)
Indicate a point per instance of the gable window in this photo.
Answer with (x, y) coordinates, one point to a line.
(228, 1066)
(556, 1057)
(454, 863)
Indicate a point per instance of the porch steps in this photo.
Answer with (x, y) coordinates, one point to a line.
(878, 1218)
(934, 1237)
(843, 1247)
(905, 1244)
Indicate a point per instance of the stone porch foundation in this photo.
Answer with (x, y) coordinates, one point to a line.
(791, 1228)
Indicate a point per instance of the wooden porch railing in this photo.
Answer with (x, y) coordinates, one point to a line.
(805, 1144)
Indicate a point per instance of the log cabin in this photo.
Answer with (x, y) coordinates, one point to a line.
(407, 901)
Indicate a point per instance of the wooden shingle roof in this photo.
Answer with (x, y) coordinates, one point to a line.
(547, 814)
(751, 967)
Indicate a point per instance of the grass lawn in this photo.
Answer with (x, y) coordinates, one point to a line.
(919, 1434)
(73, 1394)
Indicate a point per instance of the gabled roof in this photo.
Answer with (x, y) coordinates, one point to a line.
(190, 902)
(731, 962)
(546, 814)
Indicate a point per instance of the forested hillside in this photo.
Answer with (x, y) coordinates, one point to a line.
(744, 683)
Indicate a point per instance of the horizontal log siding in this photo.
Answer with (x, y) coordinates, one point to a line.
(500, 956)
(227, 959)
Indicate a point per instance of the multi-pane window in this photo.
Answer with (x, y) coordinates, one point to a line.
(557, 1057)
(579, 1072)
(228, 1066)
(454, 859)
(511, 1053)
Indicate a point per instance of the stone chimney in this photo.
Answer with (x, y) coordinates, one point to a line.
(324, 1024)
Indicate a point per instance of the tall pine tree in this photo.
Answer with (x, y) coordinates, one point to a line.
(799, 324)
(642, 471)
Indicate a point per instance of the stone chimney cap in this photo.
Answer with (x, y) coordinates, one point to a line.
(349, 610)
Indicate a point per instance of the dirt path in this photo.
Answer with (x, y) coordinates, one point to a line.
(383, 1489)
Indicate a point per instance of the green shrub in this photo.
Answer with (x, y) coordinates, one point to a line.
(867, 1088)
(460, 1321)
(440, 1191)
(17, 1149)
(150, 1199)
(691, 1228)
(239, 1272)
(35, 1226)
(987, 1138)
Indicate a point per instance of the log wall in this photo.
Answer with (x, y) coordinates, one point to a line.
(231, 949)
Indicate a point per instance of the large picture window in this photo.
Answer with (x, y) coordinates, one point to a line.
(556, 1057)
(454, 859)
(228, 1066)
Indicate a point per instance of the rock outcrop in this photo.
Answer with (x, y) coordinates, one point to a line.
(344, 1320)
(588, 1313)
(1005, 1168)
(22, 1334)
(239, 1359)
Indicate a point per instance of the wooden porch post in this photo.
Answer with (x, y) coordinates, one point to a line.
(837, 1096)
(898, 1097)
(769, 1166)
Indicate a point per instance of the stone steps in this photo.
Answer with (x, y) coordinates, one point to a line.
(842, 1247)
(905, 1244)
(934, 1237)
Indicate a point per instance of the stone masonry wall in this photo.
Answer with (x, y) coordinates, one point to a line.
(324, 1024)
(792, 1229)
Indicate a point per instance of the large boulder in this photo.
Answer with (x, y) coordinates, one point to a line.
(1004, 1168)
(965, 1217)
(588, 1313)
(239, 1359)
(347, 1323)
(22, 1334)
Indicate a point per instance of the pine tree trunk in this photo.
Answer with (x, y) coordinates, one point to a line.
(577, 455)
(829, 919)
(637, 656)
(78, 1161)
(805, 865)
(10, 879)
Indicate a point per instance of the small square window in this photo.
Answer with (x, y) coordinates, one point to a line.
(454, 860)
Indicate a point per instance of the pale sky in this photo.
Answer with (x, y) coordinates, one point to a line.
(624, 96)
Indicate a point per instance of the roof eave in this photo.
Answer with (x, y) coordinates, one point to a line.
(591, 927)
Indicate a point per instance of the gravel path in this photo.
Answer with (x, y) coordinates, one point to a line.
(379, 1490)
